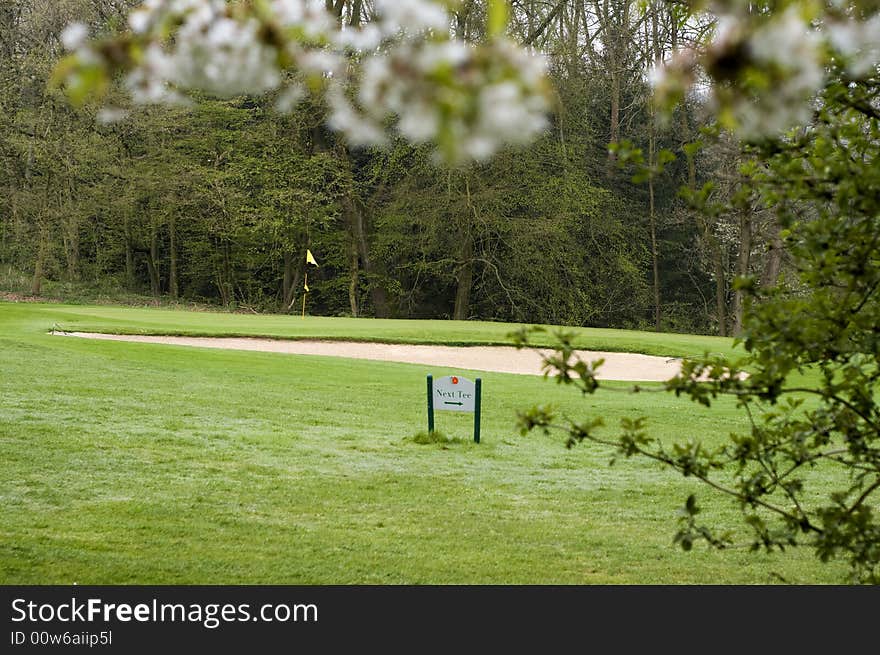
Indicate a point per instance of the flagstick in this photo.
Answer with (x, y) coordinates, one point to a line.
(305, 293)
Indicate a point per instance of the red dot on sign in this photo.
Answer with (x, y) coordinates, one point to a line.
(454, 380)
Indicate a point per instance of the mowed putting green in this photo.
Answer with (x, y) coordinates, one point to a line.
(140, 463)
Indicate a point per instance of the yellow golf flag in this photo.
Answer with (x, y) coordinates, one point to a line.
(310, 259)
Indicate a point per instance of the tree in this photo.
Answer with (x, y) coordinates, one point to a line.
(528, 236)
(809, 379)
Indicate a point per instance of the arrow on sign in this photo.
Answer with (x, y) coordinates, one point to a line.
(448, 402)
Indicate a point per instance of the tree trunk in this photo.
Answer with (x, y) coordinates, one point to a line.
(229, 288)
(129, 255)
(720, 291)
(465, 273)
(465, 280)
(293, 272)
(356, 223)
(40, 259)
(173, 288)
(221, 271)
(654, 256)
(287, 282)
(353, 255)
(770, 277)
(358, 226)
(353, 276)
(710, 241)
(70, 238)
(742, 267)
(153, 264)
(3, 230)
(614, 18)
(356, 8)
(291, 280)
(615, 106)
(652, 218)
(70, 227)
(462, 20)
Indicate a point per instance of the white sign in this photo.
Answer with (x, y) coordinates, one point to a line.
(455, 394)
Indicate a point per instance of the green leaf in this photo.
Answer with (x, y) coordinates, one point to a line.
(692, 148)
(665, 156)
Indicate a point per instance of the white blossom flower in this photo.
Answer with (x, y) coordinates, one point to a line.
(507, 115)
(375, 83)
(364, 39)
(791, 45)
(419, 122)
(110, 115)
(309, 16)
(858, 42)
(148, 83)
(358, 128)
(412, 16)
(787, 50)
(289, 98)
(432, 56)
(320, 62)
(74, 36)
(222, 56)
(728, 30)
(478, 147)
(769, 116)
(184, 6)
(148, 90)
(493, 96)
(786, 40)
(531, 66)
(140, 20)
(658, 75)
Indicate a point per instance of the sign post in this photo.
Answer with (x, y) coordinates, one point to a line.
(430, 403)
(479, 392)
(455, 394)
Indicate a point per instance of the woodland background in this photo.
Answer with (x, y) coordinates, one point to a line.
(217, 203)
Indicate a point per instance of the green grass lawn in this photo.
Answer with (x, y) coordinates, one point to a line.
(200, 323)
(138, 463)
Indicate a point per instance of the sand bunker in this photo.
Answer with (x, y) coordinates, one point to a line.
(501, 359)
